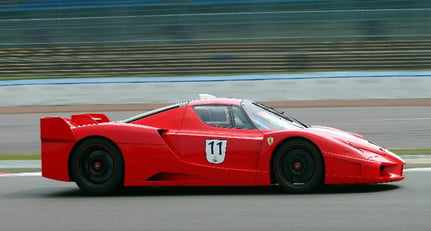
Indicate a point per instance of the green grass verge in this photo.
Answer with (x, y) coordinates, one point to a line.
(401, 151)
(19, 156)
(410, 151)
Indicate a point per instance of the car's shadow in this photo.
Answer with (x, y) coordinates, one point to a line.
(205, 191)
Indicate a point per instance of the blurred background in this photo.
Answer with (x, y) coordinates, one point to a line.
(102, 38)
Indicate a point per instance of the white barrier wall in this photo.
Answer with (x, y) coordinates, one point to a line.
(408, 87)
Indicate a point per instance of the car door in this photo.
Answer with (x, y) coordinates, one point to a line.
(219, 146)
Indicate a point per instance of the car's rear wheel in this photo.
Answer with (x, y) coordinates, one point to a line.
(297, 166)
(97, 167)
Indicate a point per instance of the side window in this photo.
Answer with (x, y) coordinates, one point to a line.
(240, 120)
(214, 115)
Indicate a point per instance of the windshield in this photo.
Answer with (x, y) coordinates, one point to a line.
(266, 118)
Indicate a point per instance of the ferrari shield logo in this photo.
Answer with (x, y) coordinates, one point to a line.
(215, 151)
(270, 140)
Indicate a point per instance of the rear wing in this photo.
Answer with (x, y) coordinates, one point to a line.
(60, 128)
(87, 119)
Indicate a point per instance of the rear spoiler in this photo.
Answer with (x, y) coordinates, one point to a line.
(86, 119)
(60, 128)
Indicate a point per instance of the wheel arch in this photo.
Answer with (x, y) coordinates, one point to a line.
(76, 145)
(280, 144)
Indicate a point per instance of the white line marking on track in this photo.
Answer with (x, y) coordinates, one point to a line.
(399, 119)
(2, 174)
(418, 170)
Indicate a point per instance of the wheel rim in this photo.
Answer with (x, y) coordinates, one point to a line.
(298, 167)
(97, 166)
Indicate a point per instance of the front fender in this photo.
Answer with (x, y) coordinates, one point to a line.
(329, 147)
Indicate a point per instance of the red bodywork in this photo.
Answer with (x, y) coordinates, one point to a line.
(167, 148)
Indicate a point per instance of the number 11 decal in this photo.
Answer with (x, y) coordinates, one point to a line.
(215, 151)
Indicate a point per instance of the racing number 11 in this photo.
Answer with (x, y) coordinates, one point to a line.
(219, 144)
(215, 151)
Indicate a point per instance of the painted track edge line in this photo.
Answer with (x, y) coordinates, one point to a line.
(20, 174)
(417, 170)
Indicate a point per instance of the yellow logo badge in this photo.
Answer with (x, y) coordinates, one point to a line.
(270, 140)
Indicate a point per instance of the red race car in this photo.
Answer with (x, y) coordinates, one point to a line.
(209, 142)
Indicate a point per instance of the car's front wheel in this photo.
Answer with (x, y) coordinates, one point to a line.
(297, 166)
(97, 167)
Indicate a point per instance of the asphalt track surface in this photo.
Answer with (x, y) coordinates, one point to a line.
(34, 203)
(393, 127)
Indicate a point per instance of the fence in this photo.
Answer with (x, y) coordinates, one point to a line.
(221, 58)
(182, 38)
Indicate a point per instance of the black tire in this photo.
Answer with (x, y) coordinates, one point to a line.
(97, 167)
(297, 166)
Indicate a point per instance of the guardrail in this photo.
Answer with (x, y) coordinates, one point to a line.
(214, 58)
